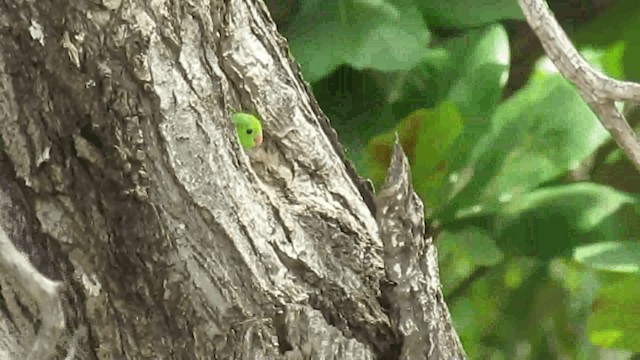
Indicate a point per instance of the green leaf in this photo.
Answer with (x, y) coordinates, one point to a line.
(612, 60)
(366, 34)
(439, 129)
(612, 256)
(469, 13)
(540, 133)
(380, 147)
(469, 71)
(614, 321)
(425, 136)
(358, 111)
(616, 30)
(552, 221)
(482, 58)
(467, 248)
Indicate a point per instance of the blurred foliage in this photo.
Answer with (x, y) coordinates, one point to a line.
(536, 209)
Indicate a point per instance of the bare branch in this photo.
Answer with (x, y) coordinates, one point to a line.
(411, 262)
(598, 90)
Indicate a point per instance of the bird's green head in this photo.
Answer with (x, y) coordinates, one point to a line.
(249, 129)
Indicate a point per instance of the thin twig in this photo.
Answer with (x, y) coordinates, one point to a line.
(598, 90)
(466, 284)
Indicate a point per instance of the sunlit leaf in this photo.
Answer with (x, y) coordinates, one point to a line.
(611, 256)
(552, 221)
(616, 310)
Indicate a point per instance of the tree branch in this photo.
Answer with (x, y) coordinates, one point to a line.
(598, 90)
(418, 309)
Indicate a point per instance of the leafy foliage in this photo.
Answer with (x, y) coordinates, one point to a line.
(469, 13)
(525, 248)
(366, 34)
(618, 256)
(614, 321)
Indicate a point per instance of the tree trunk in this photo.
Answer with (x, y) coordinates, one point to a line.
(133, 226)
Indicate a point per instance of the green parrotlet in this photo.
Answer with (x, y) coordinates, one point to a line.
(249, 129)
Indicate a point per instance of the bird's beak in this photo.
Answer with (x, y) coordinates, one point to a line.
(259, 139)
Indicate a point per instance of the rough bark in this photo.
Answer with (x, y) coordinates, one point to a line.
(417, 304)
(133, 226)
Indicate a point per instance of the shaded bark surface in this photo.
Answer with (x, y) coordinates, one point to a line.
(153, 232)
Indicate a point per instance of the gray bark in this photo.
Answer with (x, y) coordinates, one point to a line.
(133, 226)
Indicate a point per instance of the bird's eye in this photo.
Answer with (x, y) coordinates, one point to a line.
(249, 131)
